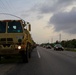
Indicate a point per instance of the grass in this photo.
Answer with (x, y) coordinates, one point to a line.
(70, 49)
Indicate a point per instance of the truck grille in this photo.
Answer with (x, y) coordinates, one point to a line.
(4, 45)
(6, 40)
(2, 39)
(9, 39)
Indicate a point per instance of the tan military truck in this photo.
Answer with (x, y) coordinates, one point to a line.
(15, 39)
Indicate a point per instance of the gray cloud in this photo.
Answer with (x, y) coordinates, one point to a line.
(52, 5)
(64, 21)
(39, 16)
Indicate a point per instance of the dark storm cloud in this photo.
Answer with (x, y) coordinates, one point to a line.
(64, 21)
(54, 5)
(51, 6)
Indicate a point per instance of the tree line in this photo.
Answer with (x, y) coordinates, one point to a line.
(65, 43)
(69, 43)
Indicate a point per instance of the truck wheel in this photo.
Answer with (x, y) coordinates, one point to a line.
(29, 54)
(24, 57)
(0, 57)
(30, 51)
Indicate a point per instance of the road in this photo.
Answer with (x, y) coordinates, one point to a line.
(43, 62)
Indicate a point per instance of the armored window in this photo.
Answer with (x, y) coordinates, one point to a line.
(14, 27)
(2, 27)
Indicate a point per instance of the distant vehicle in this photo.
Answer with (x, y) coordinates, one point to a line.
(58, 47)
(48, 47)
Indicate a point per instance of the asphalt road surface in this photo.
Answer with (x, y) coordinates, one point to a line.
(43, 62)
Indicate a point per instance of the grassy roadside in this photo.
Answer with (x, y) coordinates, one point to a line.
(70, 49)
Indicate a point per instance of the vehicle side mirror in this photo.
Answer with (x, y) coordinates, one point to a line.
(29, 27)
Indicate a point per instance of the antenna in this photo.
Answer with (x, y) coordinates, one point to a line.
(13, 15)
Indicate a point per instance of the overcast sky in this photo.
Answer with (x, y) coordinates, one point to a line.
(48, 18)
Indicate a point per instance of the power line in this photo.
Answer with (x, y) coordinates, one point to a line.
(12, 5)
(6, 7)
(12, 15)
(9, 3)
(9, 7)
(3, 5)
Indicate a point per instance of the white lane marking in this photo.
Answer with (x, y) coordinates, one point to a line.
(38, 54)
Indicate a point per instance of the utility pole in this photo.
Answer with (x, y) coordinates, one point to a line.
(59, 37)
(48, 41)
(51, 40)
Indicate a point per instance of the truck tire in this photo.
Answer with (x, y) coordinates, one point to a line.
(0, 57)
(29, 54)
(30, 50)
(24, 56)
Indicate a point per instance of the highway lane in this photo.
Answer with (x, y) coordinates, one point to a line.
(43, 62)
(59, 62)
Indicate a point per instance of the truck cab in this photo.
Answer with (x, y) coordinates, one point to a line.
(15, 39)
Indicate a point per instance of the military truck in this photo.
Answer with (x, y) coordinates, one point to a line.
(15, 39)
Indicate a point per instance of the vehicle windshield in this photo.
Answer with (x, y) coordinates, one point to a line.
(2, 27)
(14, 27)
(58, 45)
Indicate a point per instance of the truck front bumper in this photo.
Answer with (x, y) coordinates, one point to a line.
(10, 51)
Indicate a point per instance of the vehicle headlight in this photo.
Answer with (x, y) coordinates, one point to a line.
(19, 47)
